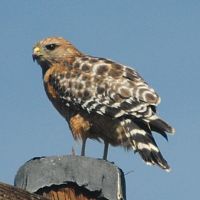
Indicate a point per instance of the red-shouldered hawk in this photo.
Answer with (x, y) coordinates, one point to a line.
(101, 99)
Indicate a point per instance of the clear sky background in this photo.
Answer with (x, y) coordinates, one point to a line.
(161, 39)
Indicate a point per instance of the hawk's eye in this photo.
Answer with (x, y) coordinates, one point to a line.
(51, 46)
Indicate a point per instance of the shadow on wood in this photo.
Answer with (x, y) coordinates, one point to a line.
(72, 177)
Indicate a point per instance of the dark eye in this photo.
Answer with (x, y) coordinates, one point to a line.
(51, 47)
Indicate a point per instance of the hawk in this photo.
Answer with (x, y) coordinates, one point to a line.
(101, 99)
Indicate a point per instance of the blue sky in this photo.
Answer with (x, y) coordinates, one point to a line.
(161, 39)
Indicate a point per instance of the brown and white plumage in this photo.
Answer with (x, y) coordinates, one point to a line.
(102, 99)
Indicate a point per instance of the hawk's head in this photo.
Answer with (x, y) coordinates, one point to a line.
(54, 50)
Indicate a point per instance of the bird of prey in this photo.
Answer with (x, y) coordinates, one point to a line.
(101, 99)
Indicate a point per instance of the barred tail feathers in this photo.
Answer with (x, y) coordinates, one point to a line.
(143, 142)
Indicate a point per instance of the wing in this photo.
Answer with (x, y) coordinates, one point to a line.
(108, 88)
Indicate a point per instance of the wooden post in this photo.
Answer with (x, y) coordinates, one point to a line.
(9, 192)
(72, 178)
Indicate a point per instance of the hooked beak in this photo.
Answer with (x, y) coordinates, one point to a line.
(36, 53)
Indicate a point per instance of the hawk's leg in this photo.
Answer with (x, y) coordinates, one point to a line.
(105, 153)
(83, 147)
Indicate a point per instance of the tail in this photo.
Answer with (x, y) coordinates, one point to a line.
(160, 126)
(141, 140)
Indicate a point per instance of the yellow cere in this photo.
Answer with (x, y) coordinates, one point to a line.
(36, 50)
